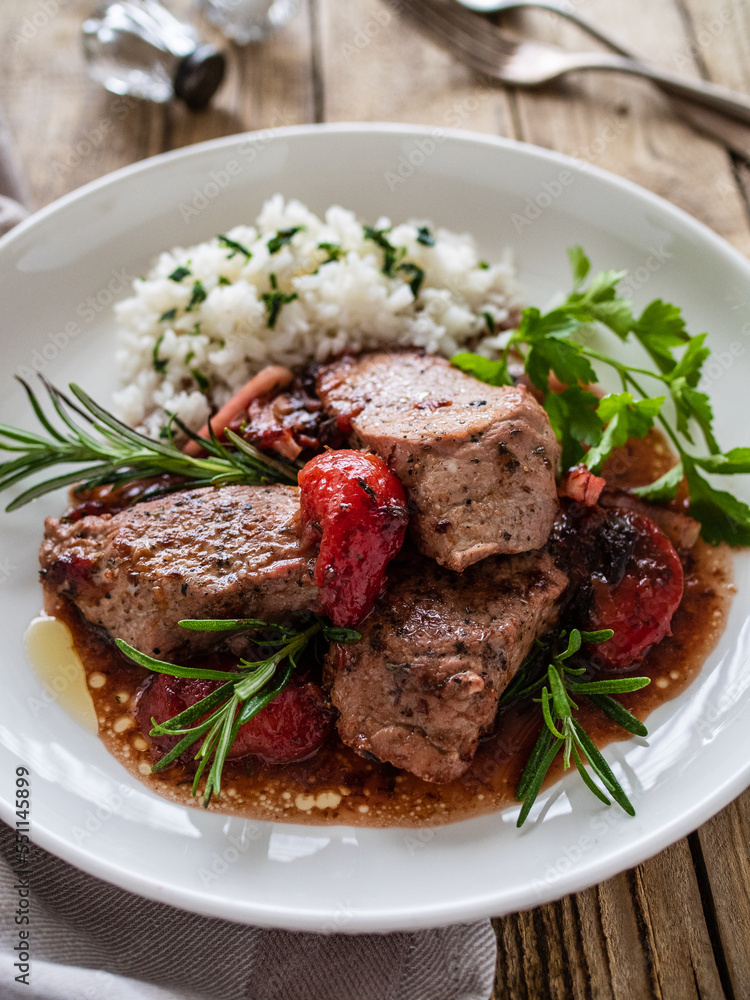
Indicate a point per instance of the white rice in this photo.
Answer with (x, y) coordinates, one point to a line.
(195, 361)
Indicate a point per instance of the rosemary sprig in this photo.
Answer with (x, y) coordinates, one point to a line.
(217, 718)
(106, 451)
(560, 730)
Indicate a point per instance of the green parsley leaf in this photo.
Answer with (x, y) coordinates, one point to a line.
(491, 372)
(199, 295)
(160, 364)
(615, 314)
(691, 363)
(574, 420)
(391, 255)
(734, 461)
(662, 489)
(625, 418)
(274, 301)
(334, 250)
(603, 287)
(691, 403)
(580, 265)
(661, 328)
(551, 350)
(282, 238)
(234, 246)
(179, 274)
(425, 237)
(416, 274)
(723, 517)
(168, 316)
(200, 378)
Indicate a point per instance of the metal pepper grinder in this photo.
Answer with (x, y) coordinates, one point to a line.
(136, 47)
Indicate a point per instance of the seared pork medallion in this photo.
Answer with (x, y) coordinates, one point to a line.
(478, 461)
(231, 552)
(436, 654)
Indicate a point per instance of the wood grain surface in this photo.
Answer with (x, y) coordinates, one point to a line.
(678, 926)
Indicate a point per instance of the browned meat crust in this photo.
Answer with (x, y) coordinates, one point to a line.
(478, 462)
(292, 423)
(436, 653)
(207, 553)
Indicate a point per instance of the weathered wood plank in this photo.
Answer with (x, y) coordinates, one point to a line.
(724, 877)
(375, 66)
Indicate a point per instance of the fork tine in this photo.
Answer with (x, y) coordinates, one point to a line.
(470, 37)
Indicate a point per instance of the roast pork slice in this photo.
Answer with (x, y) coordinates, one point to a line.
(229, 552)
(439, 648)
(478, 462)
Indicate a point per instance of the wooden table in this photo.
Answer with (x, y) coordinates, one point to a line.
(678, 926)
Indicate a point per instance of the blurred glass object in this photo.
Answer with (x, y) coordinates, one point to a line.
(137, 47)
(250, 20)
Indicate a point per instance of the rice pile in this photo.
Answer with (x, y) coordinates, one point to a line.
(295, 288)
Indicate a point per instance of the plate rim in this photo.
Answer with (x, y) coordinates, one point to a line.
(494, 901)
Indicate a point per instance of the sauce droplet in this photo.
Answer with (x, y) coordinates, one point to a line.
(49, 647)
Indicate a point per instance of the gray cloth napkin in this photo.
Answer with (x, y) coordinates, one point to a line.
(92, 941)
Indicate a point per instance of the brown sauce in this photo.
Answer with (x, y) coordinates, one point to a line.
(338, 786)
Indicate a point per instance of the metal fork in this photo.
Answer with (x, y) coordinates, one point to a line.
(557, 7)
(501, 56)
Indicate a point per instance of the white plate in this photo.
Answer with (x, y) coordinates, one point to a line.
(61, 271)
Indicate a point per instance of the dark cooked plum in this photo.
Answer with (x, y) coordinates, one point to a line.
(293, 726)
(639, 605)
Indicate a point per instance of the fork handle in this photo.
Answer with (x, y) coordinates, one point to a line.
(710, 95)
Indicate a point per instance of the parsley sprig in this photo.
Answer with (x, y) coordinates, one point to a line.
(590, 428)
(561, 731)
(216, 719)
(106, 451)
